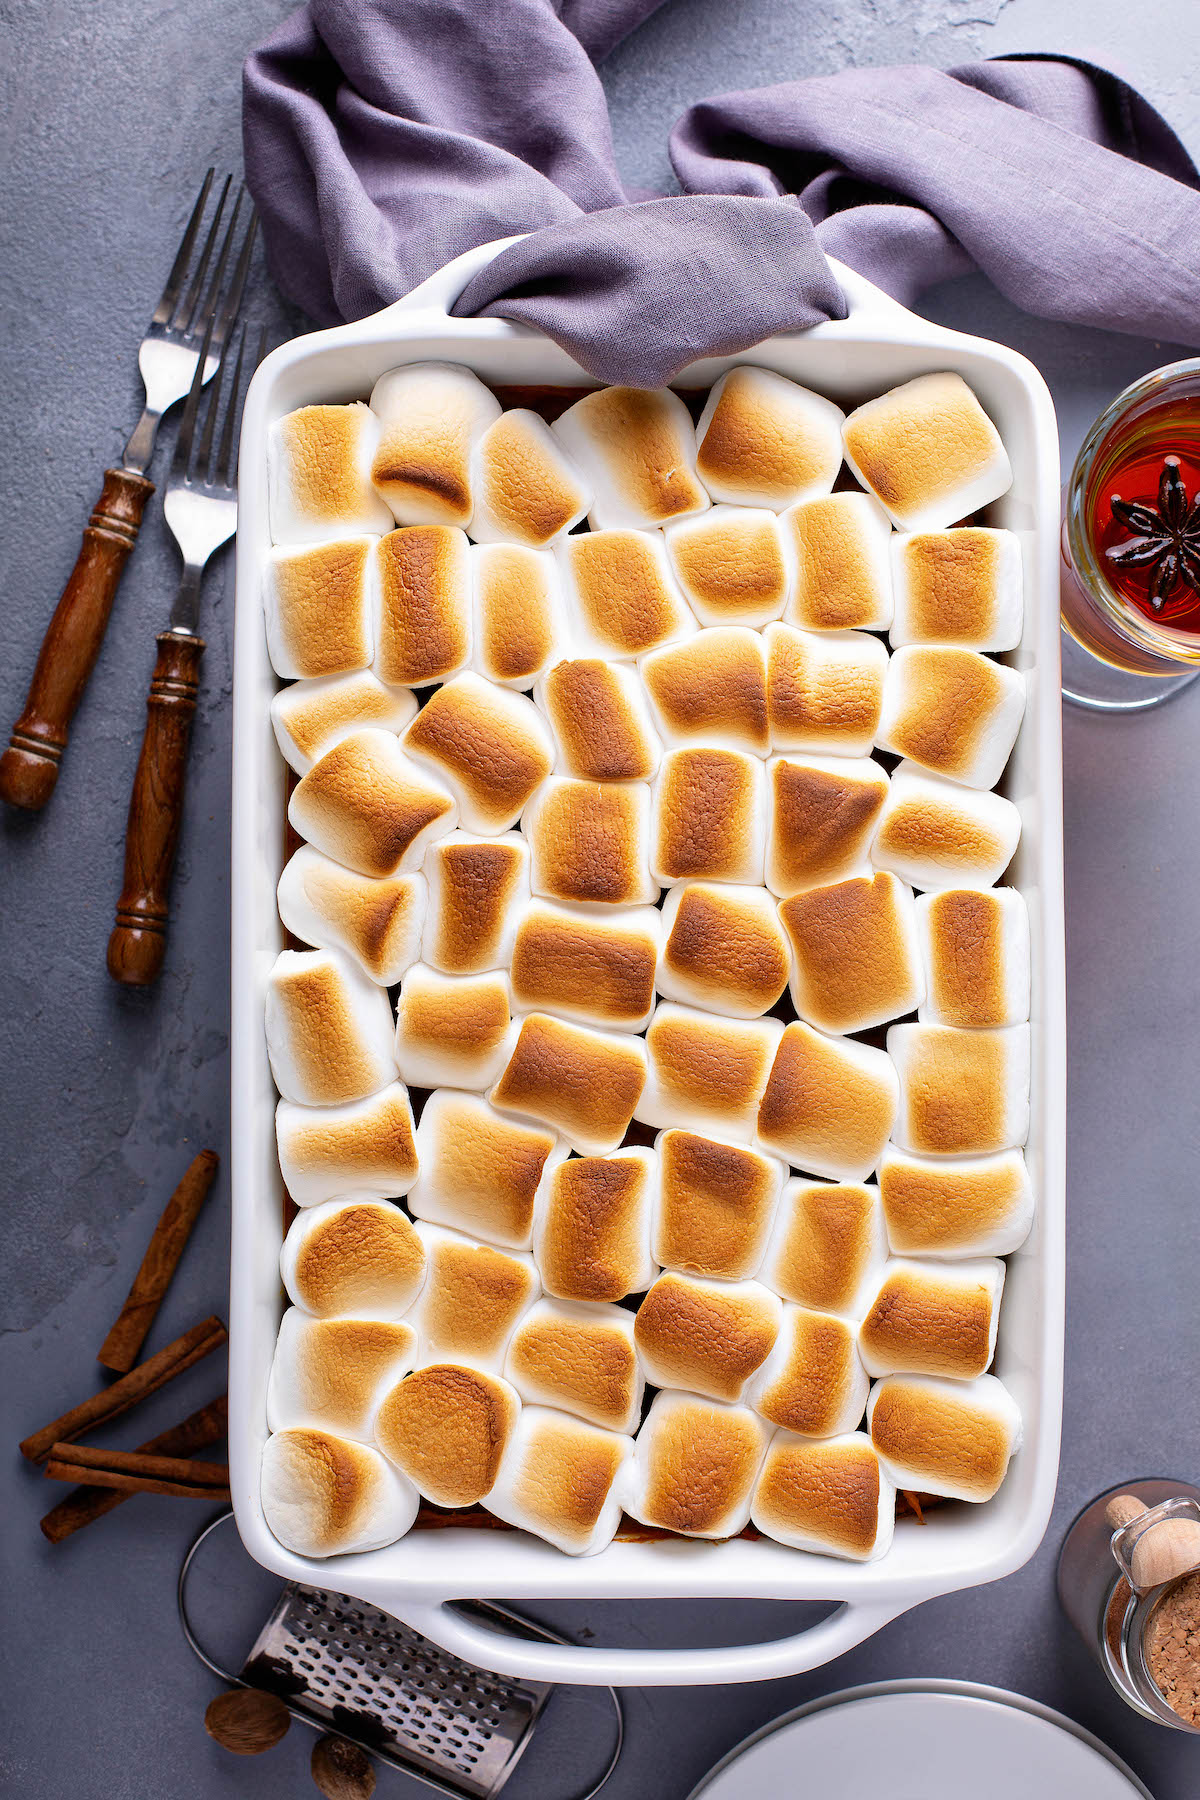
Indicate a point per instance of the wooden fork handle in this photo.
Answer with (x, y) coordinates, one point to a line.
(139, 940)
(29, 767)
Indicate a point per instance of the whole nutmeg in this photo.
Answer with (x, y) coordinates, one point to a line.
(246, 1721)
(341, 1770)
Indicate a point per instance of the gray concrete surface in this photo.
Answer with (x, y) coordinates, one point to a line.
(111, 108)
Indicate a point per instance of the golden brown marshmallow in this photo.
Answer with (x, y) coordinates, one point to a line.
(957, 587)
(329, 1029)
(706, 1336)
(709, 818)
(928, 452)
(843, 569)
(525, 489)
(324, 1495)
(378, 923)
(952, 1207)
(716, 1205)
(480, 1170)
(310, 717)
(724, 949)
(824, 689)
(695, 1465)
(357, 1257)
(451, 1029)
(431, 417)
(637, 447)
(934, 833)
(446, 1427)
(472, 1298)
(363, 1147)
(476, 889)
(600, 719)
(368, 805)
(587, 965)
(828, 1246)
(320, 608)
(951, 710)
(589, 842)
(424, 629)
(519, 628)
(733, 565)
(856, 961)
(766, 441)
(706, 1073)
(621, 594)
(330, 1374)
(489, 745)
(711, 689)
(822, 815)
(318, 474)
(831, 1497)
(944, 1437)
(829, 1104)
(580, 1358)
(563, 1480)
(976, 951)
(962, 1093)
(813, 1382)
(591, 1228)
(933, 1319)
(584, 1083)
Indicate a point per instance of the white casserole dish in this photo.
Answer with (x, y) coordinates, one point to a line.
(877, 346)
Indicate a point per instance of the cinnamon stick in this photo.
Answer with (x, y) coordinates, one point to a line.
(145, 1379)
(82, 1505)
(136, 1484)
(184, 1469)
(121, 1347)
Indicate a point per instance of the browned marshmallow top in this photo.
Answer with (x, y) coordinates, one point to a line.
(703, 1336)
(706, 816)
(337, 1368)
(822, 689)
(756, 444)
(622, 591)
(357, 1258)
(854, 945)
(731, 565)
(514, 613)
(472, 1299)
(715, 1206)
(586, 1083)
(637, 434)
(713, 683)
(588, 839)
(323, 623)
(565, 1476)
(726, 949)
(592, 1243)
(820, 1371)
(828, 1491)
(446, 1427)
(366, 805)
(930, 1322)
(821, 820)
(601, 735)
(826, 1108)
(842, 575)
(969, 957)
(950, 698)
(523, 482)
(709, 1065)
(944, 1206)
(487, 1167)
(942, 1436)
(366, 1146)
(424, 604)
(921, 441)
(489, 743)
(322, 448)
(953, 577)
(585, 964)
(701, 1464)
(478, 884)
(826, 1246)
(579, 1358)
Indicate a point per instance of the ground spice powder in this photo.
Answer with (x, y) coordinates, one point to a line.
(1172, 1648)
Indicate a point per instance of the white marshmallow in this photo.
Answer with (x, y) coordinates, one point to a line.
(976, 953)
(813, 1382)
(525, 488)
(601, 720)
(365, 1147)
(830, 1496)
(824, 690)
(519, 625)
(724, 949)
(695, 1465)
(843, 579)
(828, 1246)
(310, 717)
(489, 745)
(943, 1206)
(928, 451)
(423, 626)
(962, 1093)
(431, 416)
(637, 447)
(324, 1495)
(352, 1259)
(856, 962)
(933, 1319)
(708, 1337)
(711, 689)
(958, 587)
(715, 1206)
(329, 1029)
(622, 599)
(705, 1073)
(319, 474)
(734, 564)
(935, 833)
(584, 1083)
(766, 441)
(829, 1104)
(591, 1226)
(822, 816)
(581, 963)
(369, 806)
(581, 1358)
(589, 842)
(473, 1296)
(477, 887)
(563, 1480)
(331, 1374)
(320, 605)
(952, 711)
(480, 1170)
(710, 817)
(451, 1029)
(944, 1437)
(378, 923)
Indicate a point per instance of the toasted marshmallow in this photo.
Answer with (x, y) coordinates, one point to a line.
(526, 489)
(843, 564)
(724, 949)
(829, 1104)
(637, 447)
(320, 606)
(472, 1298)
(368, 805)
(953, 711)
(490, 746)
(957, 587)
(975, 948)
(705, 1073)
(360, 1258)
(591, 1226)
(600, 720)
(479, 1170)
(733, 564)
(711, 689)
(310, 717)
(933, 1319)
(477, 887)
(424, 626)
(934, 833)
(563, 1480)
(378, 923)
(451, 1029)
(962, 1093)
(828, 1247)
(621, 596)
(319, 474)
(584, 1083)
(831, 1497)
(329, 1029)
(706, 1336)
(946, 1207)
(709, 817)
(365, 1147)
(824, 689)
(928, 452)
(587, 965)
(716, 1205)
(822, 815)
(856, 962)
(579, 1357)
(589, 841)
(766, 441)
(323, 1495)
(813, 1382)
(432, 415)
(330, 1374)
(944, 1437)
(694, 1466)
(519, 625)
(446, 1428)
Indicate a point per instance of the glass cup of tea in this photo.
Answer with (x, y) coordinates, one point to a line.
(1130, 575)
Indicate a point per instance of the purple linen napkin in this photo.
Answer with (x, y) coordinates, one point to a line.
(384, 137)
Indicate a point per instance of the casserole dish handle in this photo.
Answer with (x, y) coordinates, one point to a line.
(469, 1638)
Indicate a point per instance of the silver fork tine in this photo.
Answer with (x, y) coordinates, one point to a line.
(170, 293)
(225, 448)
(200, 464)
(233, 299)
(187, 425)
(218, 276)
(186, 319)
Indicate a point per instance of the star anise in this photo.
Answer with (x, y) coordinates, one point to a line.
(1168, 536)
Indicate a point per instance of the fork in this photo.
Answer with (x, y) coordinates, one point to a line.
(201, 510)
(168, 357)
